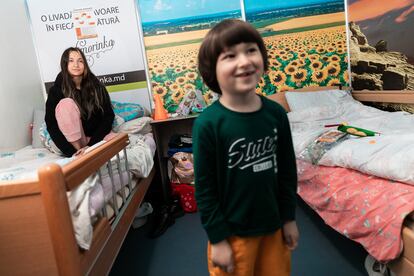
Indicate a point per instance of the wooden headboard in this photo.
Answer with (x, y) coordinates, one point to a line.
(404, 97)
(387, 96)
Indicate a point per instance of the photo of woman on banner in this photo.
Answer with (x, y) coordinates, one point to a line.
(79, 113)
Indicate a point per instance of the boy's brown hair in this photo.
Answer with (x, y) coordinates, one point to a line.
(226, 34)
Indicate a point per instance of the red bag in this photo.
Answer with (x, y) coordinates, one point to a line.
(187, 197)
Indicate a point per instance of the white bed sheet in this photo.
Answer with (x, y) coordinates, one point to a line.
(389, 155)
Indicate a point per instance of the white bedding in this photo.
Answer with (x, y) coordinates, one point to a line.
(89, 197)
(389, 155)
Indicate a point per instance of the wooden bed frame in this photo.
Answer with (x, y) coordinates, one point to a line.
(404, 265)
(36, 229)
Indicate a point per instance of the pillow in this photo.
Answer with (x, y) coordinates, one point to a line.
(38, 119)
(136, 126)
(128, 111)
(47, 141)
(301, 100)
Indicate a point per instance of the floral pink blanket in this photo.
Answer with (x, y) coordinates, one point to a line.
(364, 208)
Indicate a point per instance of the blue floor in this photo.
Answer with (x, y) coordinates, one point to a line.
(182, 250)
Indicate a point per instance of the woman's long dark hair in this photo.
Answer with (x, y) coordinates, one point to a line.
(92, 95)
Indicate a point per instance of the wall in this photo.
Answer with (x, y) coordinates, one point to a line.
(20, 83)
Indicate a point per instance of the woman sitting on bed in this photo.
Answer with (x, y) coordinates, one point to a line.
(78, 108)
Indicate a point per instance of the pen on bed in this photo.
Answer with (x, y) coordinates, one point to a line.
(333, 125)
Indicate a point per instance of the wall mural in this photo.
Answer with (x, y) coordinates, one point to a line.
(173, 31)
(306, 41)
(381, 44)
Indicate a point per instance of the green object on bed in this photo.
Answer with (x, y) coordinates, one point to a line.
(357, 131)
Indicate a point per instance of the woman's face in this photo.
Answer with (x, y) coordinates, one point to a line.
(76, 65)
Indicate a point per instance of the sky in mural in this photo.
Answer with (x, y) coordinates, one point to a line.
(266, 4)
(368, 9)
(159, 10)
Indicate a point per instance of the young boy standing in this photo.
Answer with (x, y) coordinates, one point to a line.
(245, 169)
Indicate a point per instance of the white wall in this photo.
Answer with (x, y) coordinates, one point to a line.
(20, 83)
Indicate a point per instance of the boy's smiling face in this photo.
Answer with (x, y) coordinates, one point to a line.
(239, 68)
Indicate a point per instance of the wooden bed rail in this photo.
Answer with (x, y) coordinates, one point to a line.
(54, 182)
(55, 201)
(78, 170)
(387, 96)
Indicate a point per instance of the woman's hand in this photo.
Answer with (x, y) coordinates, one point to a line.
(290, 234)
(222, 256)
(80, 152)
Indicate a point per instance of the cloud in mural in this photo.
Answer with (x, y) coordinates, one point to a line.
(404, 15)
(368, 9)
(160, 6)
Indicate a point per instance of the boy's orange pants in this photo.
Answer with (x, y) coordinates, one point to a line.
(265, 255)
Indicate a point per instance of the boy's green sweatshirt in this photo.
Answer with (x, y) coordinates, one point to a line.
(245, 170)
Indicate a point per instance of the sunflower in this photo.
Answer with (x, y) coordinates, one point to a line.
(189, 87)
(316, 65)
(294, 63)
(260, 91)
(181, 80)
(178, 70)
(320, 50)
(177, 96)
(159, 71)
(313, 57)
(340, 51)
(319, 76)
(333, 69)
(331, 49)
(208, 97)
(335, 58)
(346, 76)
(275, 63)
(160, 90)
(191, 75)
(334, 82)
(277, 77)
(174, 87)
(325, 58)
(299, 76)
(261, 82)
(154, 84)
(167, 83)
(301, 62)
(312, 84)
(284, 57)
(290, 69)
(283, 88)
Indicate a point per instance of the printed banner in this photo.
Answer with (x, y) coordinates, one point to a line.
(306, 42)
(108, 34)
(381, 44)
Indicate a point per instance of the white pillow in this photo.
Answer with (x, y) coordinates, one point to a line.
(38, 119)
(301, 100)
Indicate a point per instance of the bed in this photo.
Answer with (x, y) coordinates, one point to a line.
(328, 190)
(37, 230)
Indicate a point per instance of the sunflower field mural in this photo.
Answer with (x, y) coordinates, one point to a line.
(173, 31)
(306, 43)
